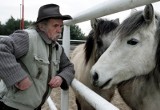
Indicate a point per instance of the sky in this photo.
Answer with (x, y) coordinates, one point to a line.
(10, 8)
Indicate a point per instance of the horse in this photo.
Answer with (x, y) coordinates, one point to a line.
(132, 61)
(85, 55)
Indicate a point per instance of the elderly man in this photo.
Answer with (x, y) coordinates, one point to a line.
(32, 62)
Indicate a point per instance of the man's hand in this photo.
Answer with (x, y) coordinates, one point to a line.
(24, 84)
(55, 82)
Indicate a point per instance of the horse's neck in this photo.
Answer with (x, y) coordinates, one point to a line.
(143, 92)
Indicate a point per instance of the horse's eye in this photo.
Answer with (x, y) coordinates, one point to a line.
(99, 43)
(132, 41)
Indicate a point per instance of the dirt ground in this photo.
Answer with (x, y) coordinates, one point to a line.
(56, 96)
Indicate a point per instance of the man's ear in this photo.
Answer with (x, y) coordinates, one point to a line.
(42, 27)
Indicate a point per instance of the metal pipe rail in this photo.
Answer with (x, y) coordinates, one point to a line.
(105, 8)
(91, 97)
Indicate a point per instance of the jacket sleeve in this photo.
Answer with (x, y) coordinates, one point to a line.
(12, 48)
(66, 71)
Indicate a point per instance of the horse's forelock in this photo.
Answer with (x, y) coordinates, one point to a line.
(131, 24)
(103, 27)
(101, 31)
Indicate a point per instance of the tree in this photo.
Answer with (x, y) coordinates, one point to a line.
(12, 25)
(76, 33)
(1, 28)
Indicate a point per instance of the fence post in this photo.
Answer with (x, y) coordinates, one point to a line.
(66, 46)
(64, 99)
(66, 39)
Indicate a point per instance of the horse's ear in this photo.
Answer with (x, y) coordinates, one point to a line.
(116, 21)
(93, 23)
(148, 13)
(133, 11)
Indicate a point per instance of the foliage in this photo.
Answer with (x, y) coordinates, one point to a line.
(11, 25)
(76, 33)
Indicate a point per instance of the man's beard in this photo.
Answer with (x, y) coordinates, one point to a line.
(56, 37)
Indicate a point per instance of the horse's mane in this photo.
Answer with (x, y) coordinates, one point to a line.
(158, 47)
(89, 46)
(102, 27)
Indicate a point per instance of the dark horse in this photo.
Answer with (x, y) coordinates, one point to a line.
(85, 55)
(132, 62)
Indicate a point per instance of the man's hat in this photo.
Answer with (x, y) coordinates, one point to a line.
(51, 11)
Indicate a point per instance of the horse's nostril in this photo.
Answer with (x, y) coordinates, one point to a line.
(95, 76)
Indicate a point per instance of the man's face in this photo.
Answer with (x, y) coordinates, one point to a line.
(54, 29)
